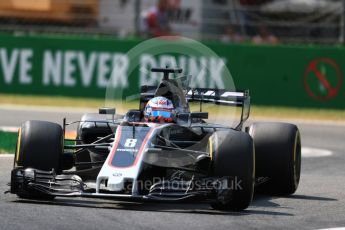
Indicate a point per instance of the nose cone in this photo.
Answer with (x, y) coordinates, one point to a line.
(116, 183)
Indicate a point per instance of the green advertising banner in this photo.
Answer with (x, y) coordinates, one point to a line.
(75, 66)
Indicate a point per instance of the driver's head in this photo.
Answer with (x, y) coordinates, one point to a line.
(159, 109)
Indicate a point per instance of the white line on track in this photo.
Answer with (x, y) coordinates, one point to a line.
(315, 152)
(53, 109)
(11, 129)
(6, 155)
(336, 228)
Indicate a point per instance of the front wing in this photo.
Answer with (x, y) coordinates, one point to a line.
(25, 182)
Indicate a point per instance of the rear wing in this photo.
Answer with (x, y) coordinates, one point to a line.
(218, 96)
(223, 97)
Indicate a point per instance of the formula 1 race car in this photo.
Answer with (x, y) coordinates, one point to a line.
(188, 159)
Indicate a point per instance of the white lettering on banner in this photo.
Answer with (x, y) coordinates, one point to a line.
(69, 68)
(198, 72)
(64, 68)
(17, 57)
(167, 60)
(8, 64)
(216, 72)
(182, 62)
(103, 69)
(87, 67)
(205, 71)
(25, 66)
(119, 72)
(147, 62)
(52, 68)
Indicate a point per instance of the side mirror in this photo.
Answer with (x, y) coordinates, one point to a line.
(133, 116)
(187, 117)
(200, 115)
(107, 111)
(183, 117)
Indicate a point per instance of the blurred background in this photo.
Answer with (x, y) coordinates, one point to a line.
(239, 21)
(288, 53)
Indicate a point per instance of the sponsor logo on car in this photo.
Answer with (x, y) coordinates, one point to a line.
(117, 174)
(127, 150)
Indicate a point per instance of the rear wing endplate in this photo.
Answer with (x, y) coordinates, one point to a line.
(239, 98)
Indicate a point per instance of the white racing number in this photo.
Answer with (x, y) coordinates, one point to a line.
(130, 143)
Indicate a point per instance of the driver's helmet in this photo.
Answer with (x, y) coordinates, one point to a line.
(159, 109)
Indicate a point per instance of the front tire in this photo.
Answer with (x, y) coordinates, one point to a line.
(39, 146)
(234, 156)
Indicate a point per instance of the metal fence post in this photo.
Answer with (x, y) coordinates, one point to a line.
(342, 32)
(137, 17)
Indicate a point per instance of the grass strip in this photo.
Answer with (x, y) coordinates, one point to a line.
(8, 142)
(298, 113)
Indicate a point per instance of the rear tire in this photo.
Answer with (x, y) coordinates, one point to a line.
(234, 156)
(39, 146)
(278, 156)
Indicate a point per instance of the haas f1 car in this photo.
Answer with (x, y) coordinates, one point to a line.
(129, 158)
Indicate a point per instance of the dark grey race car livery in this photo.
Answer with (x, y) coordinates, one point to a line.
(186, 160)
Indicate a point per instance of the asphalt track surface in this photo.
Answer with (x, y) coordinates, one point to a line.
(318, 203)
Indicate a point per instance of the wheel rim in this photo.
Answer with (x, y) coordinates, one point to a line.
(297, 159)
